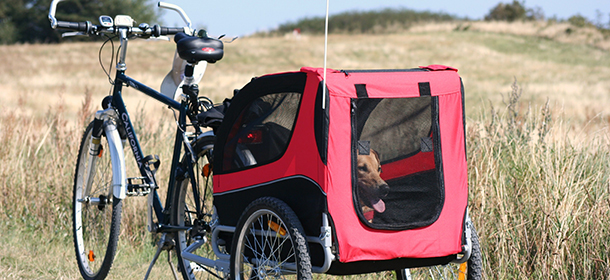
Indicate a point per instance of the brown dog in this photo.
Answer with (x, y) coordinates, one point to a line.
(371, 188)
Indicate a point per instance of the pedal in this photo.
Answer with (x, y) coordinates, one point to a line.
(153, 162)
(137, 186)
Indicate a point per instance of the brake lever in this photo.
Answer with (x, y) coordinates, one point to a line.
(160, 38)
(228, 42)
(72, 34)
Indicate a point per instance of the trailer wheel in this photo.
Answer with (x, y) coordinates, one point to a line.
(470, 270)
(269, 242)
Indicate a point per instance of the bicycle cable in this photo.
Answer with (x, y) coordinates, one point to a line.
(111, 57)
(118, 53)
(176, 120)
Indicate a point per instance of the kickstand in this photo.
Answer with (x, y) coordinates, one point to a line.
(171, 265)
(164, 244)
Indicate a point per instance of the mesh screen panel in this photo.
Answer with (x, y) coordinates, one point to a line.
(396, 179)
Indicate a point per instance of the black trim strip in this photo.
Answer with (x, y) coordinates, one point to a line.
(361, 91)
(464, 117)
(273, 182)
(354, 158)
(438, 154)
(424, 89)
(321, 122)
(301, 193)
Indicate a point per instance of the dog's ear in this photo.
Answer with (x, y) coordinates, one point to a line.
(376, 156)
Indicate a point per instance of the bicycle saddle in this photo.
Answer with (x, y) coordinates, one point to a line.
(194, 49)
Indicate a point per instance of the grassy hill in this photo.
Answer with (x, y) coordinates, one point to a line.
(354, 22)
(538, 118)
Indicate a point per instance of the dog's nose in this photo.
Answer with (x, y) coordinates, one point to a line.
(384, 190)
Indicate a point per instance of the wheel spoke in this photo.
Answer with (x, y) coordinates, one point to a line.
(185, 213)
(264, 234)
(96, 220)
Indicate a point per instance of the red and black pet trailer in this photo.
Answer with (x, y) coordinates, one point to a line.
(287, 160)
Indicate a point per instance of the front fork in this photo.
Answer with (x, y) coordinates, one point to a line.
(106, 123)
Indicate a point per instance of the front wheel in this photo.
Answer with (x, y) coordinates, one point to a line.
(269, 242)
(96, 213)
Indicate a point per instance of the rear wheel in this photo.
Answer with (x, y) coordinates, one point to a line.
(470, 270)
(184, 213)
(96, 215)
(269, 243)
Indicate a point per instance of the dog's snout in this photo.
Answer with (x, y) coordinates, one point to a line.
(384, 190)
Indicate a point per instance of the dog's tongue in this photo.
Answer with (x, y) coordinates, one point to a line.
(379, 206)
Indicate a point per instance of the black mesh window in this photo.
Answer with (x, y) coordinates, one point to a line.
(262, 131)
(396, 179)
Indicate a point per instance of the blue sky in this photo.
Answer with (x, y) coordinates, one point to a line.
(243, 17)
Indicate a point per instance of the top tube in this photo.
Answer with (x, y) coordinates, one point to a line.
(147, 90)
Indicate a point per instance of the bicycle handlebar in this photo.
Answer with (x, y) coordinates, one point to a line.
(92, 29)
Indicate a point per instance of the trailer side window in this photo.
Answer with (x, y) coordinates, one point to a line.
(262, 131)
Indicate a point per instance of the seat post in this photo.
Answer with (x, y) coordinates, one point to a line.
(190, 88)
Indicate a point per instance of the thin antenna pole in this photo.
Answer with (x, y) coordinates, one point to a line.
(325, 51)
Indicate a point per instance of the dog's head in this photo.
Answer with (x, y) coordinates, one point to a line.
(371, 188)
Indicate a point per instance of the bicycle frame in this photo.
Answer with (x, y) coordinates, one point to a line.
(132, 139)
(124, 120)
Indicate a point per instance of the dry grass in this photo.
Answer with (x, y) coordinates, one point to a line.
(572, 75)
(542, 193)
(538, 176)
(562, 32)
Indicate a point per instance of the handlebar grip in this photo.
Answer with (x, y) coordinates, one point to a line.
(78, 26)
(160, 30)
(171, 30)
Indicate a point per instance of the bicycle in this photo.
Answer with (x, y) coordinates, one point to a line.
(101, 183)
(258, 222)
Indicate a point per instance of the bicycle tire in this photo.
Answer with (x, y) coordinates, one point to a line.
(96, 226)
(258, 249)
(470, 270)
(182, 211)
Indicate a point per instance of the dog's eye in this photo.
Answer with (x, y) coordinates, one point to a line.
(362, 168)
(379, 170)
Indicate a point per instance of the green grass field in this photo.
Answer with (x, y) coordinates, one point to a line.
(537, 131)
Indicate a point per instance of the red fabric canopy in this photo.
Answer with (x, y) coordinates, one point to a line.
(356, 240)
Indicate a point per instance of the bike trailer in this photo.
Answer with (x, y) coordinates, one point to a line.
(373, 164)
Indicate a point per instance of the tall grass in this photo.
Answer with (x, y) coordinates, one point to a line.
(38, 159)
(539, 186)
(540, 193)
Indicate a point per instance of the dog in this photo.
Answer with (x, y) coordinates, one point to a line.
(371, 188)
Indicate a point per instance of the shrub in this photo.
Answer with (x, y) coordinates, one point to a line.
(514, 11)
(579, 21)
